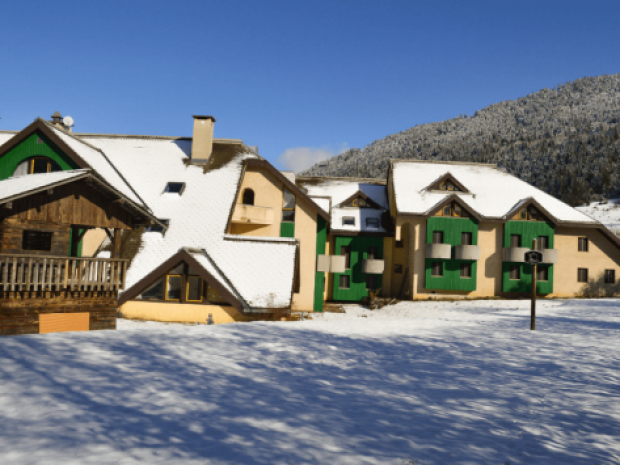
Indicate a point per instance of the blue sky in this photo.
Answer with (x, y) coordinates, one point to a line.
(299, 79)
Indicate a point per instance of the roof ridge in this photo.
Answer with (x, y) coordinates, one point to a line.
(442, 162)
(148, 137)
(341, 178)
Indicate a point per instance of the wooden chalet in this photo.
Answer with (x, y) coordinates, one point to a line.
(44, 286)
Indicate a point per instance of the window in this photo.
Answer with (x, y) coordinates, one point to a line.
(36, 165)
(466, 238)
(400, 244)
(346, 251)
(248, 197)
(447, 186)
(437, 237)
(447, 210)
(194, 289)
(465, 270)
(582, 275)
(348, 221)
(437, 269)
(371, 282)
(523, 214)
(515, 240)
(173, 287)
(583, 244)
(610, 276)
(542, 273)
(529, 214)
(158, 228)
(533, 214)
(398, 269)
(458, 211)
(372, 222)
(515, 271)
(174, 188)
(288, 207)
(543, 242)
(452, 209)
(37, 240)
(373, 253)
(344, 281)
(155, 292)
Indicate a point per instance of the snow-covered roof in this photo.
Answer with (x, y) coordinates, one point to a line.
(492, 192)
(5, 136)
(261, 271)
(336, 191)
(20, 185)
(97, 160)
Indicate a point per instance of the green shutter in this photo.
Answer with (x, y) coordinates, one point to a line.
(319, 278)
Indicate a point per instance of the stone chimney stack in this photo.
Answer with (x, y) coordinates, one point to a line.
(202, 140)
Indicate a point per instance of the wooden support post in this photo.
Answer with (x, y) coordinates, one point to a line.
(116, 244)
(533, 307)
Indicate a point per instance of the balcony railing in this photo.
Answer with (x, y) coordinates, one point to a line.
(20, 272)
(249, 214)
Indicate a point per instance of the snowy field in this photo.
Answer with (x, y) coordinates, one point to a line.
(416, 383)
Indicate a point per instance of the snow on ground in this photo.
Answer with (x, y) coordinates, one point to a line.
(416, 383)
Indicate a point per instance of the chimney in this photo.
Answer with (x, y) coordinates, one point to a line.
(202, 140)
(57, 119)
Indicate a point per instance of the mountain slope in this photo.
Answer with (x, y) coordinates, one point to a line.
(565, 141)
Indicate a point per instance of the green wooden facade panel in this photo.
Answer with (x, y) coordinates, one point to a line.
(528, 230)
(359, 251)
(30, 148)
(452, 229)
(319, 279)
(451, 279)
(524, 284)
(287, 229)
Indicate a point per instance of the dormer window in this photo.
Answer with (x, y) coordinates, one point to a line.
(36, 165)
(452, 209)
(348, 221)
(530, 213)
(158, 228)
(175, 188)
(359, 200)
(447, 184)
(372, 222)
(288, 207)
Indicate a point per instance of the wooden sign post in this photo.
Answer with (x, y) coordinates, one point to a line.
(533, 310)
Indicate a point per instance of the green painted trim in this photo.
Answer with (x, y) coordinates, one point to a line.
(359, 251)
(287, 229)
(79, 248)
(524, 285)
(319, 278)
(451, 279)
(529, 230)
(28, 149)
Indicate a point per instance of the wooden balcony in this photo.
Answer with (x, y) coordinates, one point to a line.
(250, 214)
(33, 273)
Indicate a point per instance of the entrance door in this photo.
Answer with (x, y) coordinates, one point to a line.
(352, 285)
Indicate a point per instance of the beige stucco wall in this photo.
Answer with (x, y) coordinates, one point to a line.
(269, 193)
(602, 255)
(180, 313)
(92, 240)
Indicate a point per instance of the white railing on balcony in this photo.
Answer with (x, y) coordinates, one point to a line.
(19, 272)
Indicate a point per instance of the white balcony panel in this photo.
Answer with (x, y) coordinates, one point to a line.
(514, 254)
(250, 214)
(373, 266)
(467, 252)
(337, 264)
(322, 263)
(550, 256)
(442, 251)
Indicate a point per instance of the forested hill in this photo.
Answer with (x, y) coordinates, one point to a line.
(565, 141)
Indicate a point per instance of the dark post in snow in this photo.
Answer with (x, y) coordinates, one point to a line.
(533, 312)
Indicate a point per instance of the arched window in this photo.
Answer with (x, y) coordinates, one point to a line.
(248, 197)
(36, 165)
